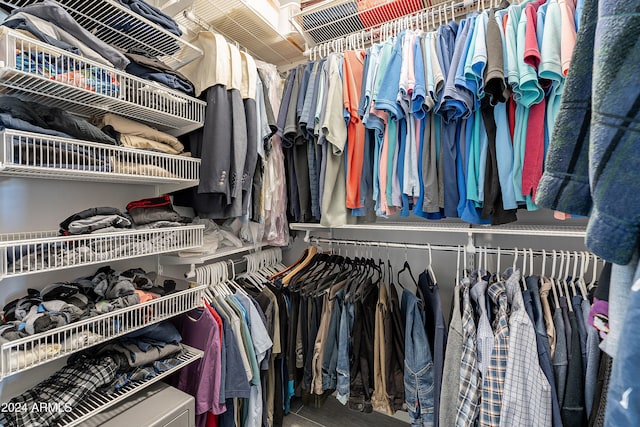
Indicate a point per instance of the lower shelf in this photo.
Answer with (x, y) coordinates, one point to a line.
(97, 402)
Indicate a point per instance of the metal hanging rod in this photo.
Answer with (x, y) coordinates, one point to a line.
(444, 248)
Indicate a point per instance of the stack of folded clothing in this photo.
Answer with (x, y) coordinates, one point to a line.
(64, 390)
(34, 117)
(137, 135)
(155, 212)
(150, 68)
(95, 220)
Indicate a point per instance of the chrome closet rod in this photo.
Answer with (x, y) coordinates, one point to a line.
(446, 248)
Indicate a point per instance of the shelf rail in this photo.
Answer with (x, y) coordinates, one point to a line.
(38, 72)
(117, 25)
(36, 252)
(26, 353)
(29, 154)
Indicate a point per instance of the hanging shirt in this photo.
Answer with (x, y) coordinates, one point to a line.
(568, 38)
(352, 73)
(524, 402)
(334, 210)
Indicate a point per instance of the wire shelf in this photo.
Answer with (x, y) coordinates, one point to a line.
(336, 18)
(38, 72)
(98, 402)
(174, 259)
(36, 155)
(37, 252)
(26, 353)
(514, 230)
(119, 26)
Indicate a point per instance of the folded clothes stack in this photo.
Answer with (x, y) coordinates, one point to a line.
(151, 68)
(137, 135)
(60, 304)
(155, 212)
(34, 117)
(95, 220)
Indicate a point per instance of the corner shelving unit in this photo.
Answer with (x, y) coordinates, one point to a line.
(26, 353)
(38, 252)
(24, 73)
(29, 154)
(133, 31)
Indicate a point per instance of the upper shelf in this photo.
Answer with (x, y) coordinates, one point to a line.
(38, 72)
(513, 230)
(119, 26)
(336, 18)
(253, 29)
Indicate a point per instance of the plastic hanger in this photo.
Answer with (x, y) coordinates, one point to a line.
(458, 267)
(595, 272)
(574, 275)
(556, 300)
(430, 266)
(561, 254)
(498, 272)
(565, 281)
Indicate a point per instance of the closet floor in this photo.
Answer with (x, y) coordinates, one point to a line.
(334, 414)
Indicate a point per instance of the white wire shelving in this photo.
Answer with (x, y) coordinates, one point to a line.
(37, 252)
(26, 353)
(98, 402)
(336, 18)
(117, 25)
(38, 72)
(514, 230)
(29, 154)
(175, 259)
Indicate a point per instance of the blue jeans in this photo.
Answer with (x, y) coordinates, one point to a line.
(418, 365)
(344, 350)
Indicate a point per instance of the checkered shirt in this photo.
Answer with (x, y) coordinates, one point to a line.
(527, 392)
(493, 384)
(469, 396)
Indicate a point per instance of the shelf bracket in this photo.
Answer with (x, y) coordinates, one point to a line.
(470, 250)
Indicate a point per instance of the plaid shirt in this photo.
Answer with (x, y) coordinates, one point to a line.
(67, 387)
(484, 335)
(493, 385)
(469, 396)
(527, 392)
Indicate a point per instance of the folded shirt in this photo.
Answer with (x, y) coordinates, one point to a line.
(154, 209)
(153, 14)
(153, 69)
(142, 143)
(130, 128)
(94, 219)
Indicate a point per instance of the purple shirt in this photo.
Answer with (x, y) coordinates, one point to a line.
(202, 379)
